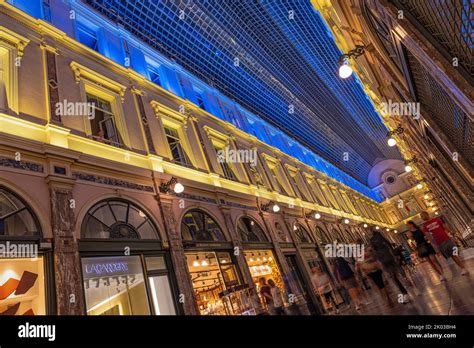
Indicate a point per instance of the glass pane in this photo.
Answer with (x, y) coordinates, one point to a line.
(114, 286)
(104, 215)
(147, 231)
(155, 263)
(22, 282)
(120, 210)
(161, 295)
(19, 224)
(136, 217)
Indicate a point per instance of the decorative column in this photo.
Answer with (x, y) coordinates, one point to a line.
(186, 292)
(67, 263)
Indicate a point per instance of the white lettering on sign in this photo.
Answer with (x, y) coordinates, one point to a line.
(111, 267)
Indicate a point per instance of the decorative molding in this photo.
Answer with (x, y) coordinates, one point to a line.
(12, 38)
(32, 167)
(112, 182)
(81, 72)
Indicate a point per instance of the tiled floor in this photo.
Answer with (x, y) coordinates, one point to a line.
(455, 296)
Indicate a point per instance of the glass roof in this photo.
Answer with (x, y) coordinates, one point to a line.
(287, 59)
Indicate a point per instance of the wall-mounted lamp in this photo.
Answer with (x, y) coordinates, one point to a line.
(313, 214)
(408, 163)
(345, 69)
(165, 187)
(391, 141)
(274, 206)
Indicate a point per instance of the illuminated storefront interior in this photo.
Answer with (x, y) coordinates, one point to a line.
(124, 285)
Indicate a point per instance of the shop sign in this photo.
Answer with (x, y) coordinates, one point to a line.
(92, 270)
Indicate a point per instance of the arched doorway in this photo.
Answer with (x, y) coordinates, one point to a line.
(124, 269)
(217, 284)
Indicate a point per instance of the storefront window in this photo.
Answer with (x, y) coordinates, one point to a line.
(199, 226)
(301, 234)
(22, 286)
(114, 286)
(216, 284)
(262, 264)
(250, 231)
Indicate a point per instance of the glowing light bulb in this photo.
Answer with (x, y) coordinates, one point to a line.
(391, 142)
(317, 216)
(346, 221)
(365, 225)
(419, 186)
(276, 208)
(377, 228)
(426, 197)
(178, 188)
(408, 168)
(345, 71)
(204, 263)
(196, 263)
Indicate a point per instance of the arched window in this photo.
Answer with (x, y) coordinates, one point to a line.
(117, 219)
(301, 234)
(198, 226)
(250, 231)
(16, 217)
(323, 235)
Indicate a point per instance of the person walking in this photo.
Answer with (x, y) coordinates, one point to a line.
(424, 248)
(322, 286)
(372, 268)
(345, 276)
(384, 253)
(266, 294)
(436, 232)
(278, 306)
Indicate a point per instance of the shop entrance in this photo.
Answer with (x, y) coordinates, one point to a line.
(262, 264)
(216, 284)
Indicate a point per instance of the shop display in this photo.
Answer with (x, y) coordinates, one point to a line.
(22, 286)
(114, 286)
(262, 264)
(216, 285)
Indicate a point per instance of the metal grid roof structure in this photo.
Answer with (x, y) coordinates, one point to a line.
(287, 57)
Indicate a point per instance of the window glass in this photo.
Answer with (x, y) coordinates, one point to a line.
(155, 263)
(176, 148)
(250, 231)
(118, 220)
(87, 36)
(16, 219)
(22, 290)
(114, 286)
(199, 226)
(161, 295)
(225, 166)
(103, 126)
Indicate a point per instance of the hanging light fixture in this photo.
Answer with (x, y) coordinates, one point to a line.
(365, 225)
(317, 216)
(377, 228)
(408, 163)
(391, 141)
(346, 221)
(419, 186)
(345, 69)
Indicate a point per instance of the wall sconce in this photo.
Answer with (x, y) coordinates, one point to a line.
(408, 167)
(345, 69)
(312, 214)
(165, 187)
(266, 206)
(391, 141)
